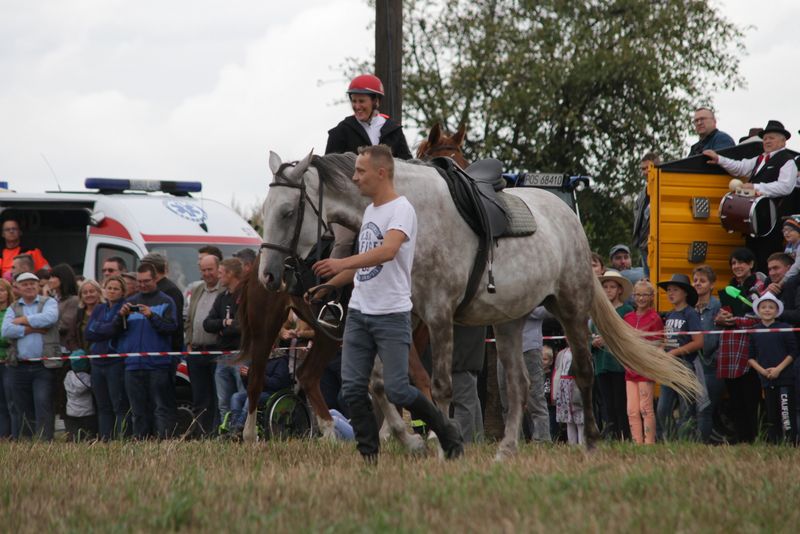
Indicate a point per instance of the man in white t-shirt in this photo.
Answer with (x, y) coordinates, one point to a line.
(379, 314)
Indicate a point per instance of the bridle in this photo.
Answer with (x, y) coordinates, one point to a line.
(301, 266)
(291, 250)
(428, 153)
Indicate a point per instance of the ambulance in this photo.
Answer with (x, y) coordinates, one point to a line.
(128, 219)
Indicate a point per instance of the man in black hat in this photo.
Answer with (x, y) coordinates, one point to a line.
(772, 174)
(705, 124)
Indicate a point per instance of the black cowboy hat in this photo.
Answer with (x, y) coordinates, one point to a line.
(777, 127)
(683, 282)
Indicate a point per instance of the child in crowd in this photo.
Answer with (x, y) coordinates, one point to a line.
(791, 233)
(708, 307)
(639, 388)
(569, 407)
(682, 318)
(81, 419)
(772, 355)
(608, 371)
(597, 264)
(547, 371)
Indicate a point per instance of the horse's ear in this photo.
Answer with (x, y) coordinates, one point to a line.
(302, 166)
(274, 162)
(460, 135)
(434, 135)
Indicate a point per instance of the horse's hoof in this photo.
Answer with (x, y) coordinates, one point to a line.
(415, 444)
(505, 451)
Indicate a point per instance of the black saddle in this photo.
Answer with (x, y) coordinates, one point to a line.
(474, 193)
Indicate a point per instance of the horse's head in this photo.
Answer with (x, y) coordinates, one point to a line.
(439, 143)
(289, 219)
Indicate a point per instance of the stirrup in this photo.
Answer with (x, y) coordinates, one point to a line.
(331, 315)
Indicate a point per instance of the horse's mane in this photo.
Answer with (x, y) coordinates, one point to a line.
(335, 170)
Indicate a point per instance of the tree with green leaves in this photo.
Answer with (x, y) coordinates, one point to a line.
(578, 86)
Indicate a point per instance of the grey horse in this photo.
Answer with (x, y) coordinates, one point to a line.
(551, 267)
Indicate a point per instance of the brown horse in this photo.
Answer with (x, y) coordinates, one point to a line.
(441, 144)
(262, 313)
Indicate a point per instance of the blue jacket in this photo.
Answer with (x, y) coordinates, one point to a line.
(100, 331)
(137, 333)
(276, 375)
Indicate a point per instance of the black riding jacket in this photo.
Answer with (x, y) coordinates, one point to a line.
(348, 135)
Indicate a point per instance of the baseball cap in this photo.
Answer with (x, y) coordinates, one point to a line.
(618, 248)
(27, 276)
(246, 254)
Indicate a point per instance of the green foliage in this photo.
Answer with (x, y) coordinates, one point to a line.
(578, 86)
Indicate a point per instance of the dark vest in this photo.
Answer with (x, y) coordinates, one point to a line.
(769, 173)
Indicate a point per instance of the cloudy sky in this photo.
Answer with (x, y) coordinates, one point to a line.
(203, 89)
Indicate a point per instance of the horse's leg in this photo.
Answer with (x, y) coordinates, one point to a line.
(576, 328)
(309, 376)
(419, 375)
(391, 417)
(441, 332)
(273, 309)
(509, 351)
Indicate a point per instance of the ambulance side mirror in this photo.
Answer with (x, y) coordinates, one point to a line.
(96, 218)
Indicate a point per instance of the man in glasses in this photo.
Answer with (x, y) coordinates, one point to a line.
(114, 266)
(12, 247)
(705, 124)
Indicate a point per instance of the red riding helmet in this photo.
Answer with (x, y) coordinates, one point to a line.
(366, 84)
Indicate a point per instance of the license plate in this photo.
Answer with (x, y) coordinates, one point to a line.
(543, 180)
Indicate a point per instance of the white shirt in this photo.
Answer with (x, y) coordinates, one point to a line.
(784, 185)
(373, 128)
(386, 288)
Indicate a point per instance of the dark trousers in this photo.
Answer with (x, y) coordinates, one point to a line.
(32, 394)
(614, 406)
(745, 394)
(6, 405)
(204, 391)
(80, 428)
(705, 418)
(113, 408)
(152, 397)
(780, 408)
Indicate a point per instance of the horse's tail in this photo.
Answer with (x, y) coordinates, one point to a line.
(635, 352)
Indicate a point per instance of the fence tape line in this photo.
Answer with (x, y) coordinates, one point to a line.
(693, 332)
(150, 354)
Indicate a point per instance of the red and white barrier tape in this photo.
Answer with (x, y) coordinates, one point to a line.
(689, 333)
(148, 354)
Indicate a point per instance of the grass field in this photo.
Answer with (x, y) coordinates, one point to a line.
(315, 486)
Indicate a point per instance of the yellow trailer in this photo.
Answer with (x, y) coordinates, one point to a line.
(685, 227)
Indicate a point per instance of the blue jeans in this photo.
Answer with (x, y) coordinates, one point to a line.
(705, 418)
(204, 391)
(228, 381)
(240, 405)
(113, 408)
(32, 386)
(152, 397)
(366, 336)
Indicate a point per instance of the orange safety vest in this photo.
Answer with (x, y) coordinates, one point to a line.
(9, 254)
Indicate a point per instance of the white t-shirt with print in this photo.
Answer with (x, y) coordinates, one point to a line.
(386, 288)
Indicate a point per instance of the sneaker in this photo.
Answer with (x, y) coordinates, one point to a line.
(225, 426)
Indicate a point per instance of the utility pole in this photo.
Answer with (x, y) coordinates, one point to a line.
(389, 54)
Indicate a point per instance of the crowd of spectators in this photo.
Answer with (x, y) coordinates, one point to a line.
(51, 312)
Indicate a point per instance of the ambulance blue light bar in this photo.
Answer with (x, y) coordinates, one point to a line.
(118, 185)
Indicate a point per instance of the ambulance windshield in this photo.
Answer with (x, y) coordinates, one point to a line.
(182, 260)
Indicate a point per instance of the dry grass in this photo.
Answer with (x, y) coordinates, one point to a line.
(314, 486)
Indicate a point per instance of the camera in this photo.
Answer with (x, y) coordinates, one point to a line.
(135, 308)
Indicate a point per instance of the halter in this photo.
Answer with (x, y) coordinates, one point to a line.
(428, 152)
(291, 250)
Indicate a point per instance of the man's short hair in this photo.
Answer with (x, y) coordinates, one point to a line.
(782, 257)
(652, 156)
(380, 156)
(147, 267)
(121, 264)
(233, 266)
(211, 250)
(156, 260)
(27, 262)
(706, 271)
(706, 108)
(247, 256)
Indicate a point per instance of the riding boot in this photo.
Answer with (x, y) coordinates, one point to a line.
(365, 428)
(447, 431)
